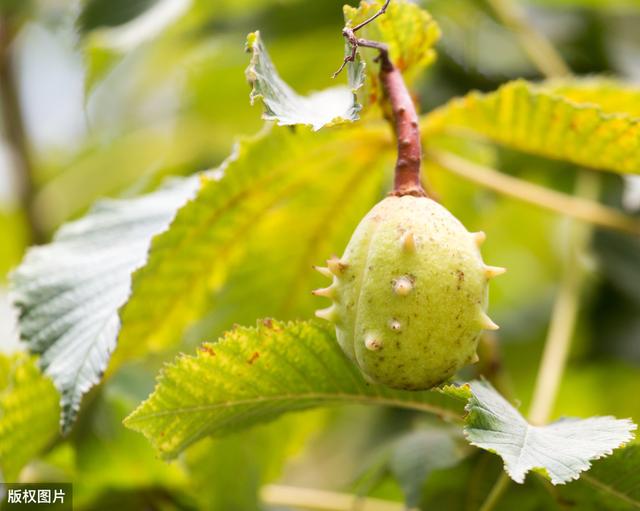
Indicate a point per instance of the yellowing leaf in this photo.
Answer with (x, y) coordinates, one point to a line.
(409, 31)
(535, 119)
(29, 413)
(271, 211)
(69, 293)
(253, 375)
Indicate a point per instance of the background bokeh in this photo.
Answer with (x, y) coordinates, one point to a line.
(128, 93)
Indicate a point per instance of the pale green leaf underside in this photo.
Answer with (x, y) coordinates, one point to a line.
(282, 104)
(612, 96)
(562, 449)
(68, 292)
(254, 375)
(29, 413)
(561, 122)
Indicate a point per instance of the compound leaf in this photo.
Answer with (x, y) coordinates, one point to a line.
(70, 292)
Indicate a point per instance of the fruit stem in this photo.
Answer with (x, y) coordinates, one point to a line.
(405, 119)
(407, 179)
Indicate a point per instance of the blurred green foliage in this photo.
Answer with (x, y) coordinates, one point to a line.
(171, 100)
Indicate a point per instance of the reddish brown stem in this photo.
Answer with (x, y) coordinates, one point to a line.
(407, 179)
(407, 174)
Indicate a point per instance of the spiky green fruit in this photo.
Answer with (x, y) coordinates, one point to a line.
(409, 293)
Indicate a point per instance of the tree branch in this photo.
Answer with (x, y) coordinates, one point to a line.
(13, 125)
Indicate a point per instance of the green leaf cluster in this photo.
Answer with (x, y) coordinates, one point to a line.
(28, 413)
(138, 279)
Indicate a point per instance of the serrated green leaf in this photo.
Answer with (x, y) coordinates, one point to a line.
(28, 413)
(409, 31)
(253, 375)
(68, 292)
(282, 104)
(535, 119)
(305, 230)
(276, 185)
(562, 449)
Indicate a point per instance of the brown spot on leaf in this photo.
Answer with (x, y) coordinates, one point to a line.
(207, 350)
(268, 323)
(253, 357)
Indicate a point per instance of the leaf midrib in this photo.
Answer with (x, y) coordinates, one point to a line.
(310, 396)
